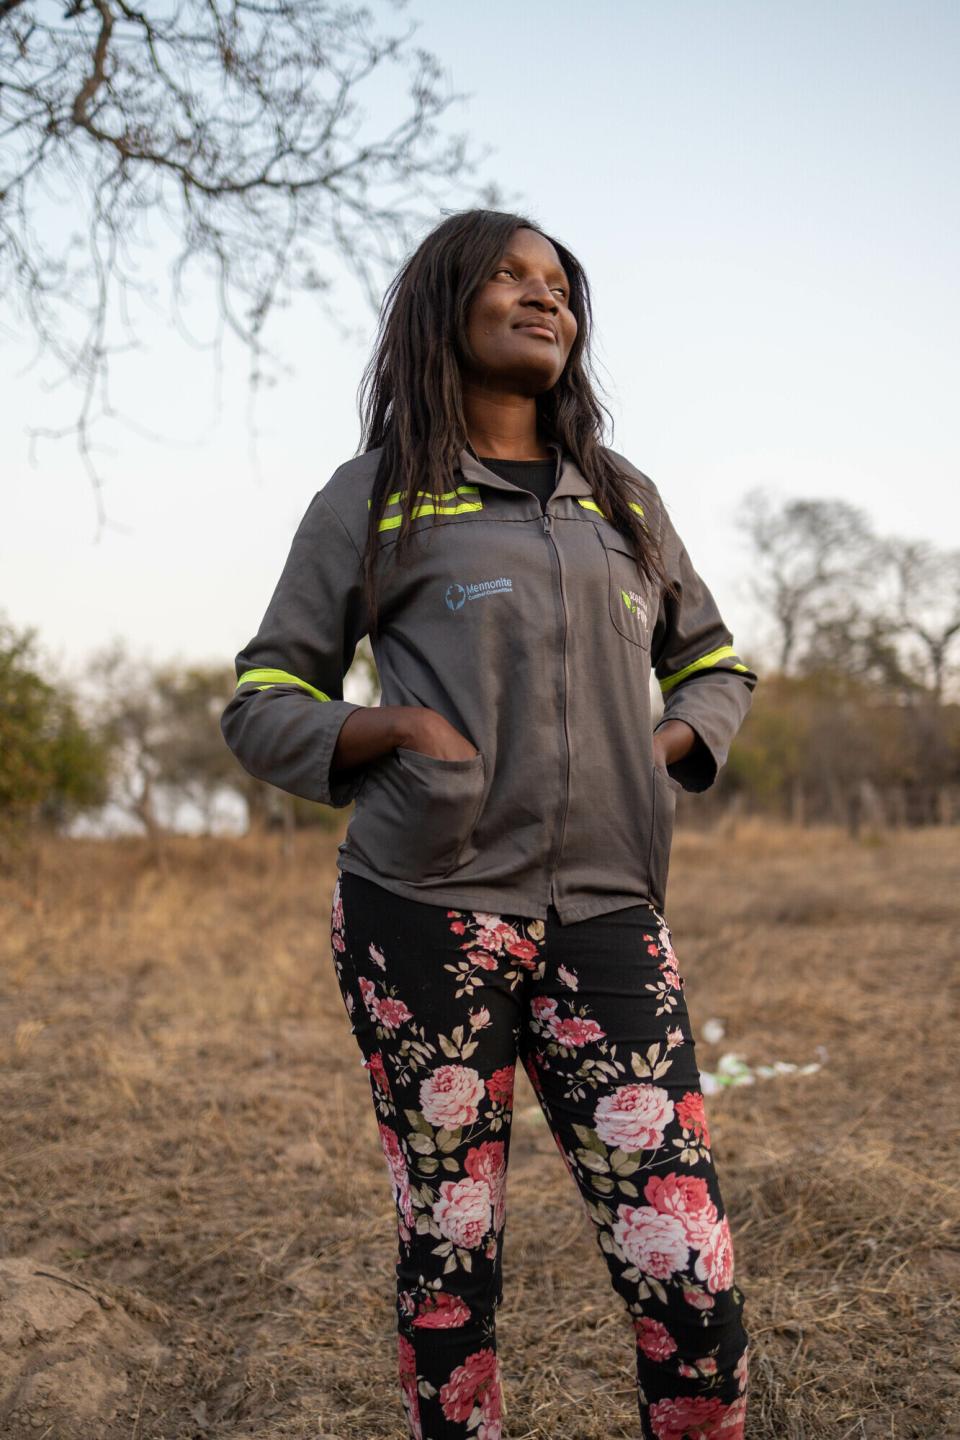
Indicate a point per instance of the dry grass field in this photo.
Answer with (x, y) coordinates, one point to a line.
(198, 1233)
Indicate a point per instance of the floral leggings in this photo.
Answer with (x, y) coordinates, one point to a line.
(441, 1003)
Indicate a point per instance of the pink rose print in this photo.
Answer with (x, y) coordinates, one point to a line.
(450, 1096)
(376, 1068)
(406, 1361)
(392, 1013)
(732, 1424)
(463, 1211)
(715, 1261)
(407, 1368)
(575, 1032)
(522, 949)
(398, 1172)
(687, 1198)
(696, 1418)
(492, 932)
(469, 1384)
(698, 1299)
(654, 1339)
(633, 1117)
(500, 1085)
(378, 957)
(481, 958)
(441, 1311)
(479, 1019)
(655, 1243)
(543, 1008)
(741, 1369)
(389, 1012)
(489, 1428)
(568, 977)
(691, 1115)
(674, 1037)
(369, 992)
(337, 941)
(485, 1162)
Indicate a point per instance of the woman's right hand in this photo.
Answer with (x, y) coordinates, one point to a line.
(371, 731)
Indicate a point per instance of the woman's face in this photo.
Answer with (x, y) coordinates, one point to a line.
(520, 327)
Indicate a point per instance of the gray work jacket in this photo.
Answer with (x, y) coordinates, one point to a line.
(534, 635)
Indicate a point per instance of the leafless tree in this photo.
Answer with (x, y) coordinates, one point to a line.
(926, 585)
(245, 125)
(810, 561)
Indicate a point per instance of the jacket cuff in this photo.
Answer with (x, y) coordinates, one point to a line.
(699, 768)
(714, 706)
(287, 738)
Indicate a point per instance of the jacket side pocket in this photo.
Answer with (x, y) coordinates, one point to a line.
(415, 813)
(664, 792)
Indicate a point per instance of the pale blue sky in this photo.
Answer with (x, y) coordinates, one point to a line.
(765, 195)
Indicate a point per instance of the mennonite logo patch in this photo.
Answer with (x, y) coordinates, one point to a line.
(456, 595)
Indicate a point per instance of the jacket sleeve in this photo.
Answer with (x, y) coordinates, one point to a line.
(285, 715)
(702, 678)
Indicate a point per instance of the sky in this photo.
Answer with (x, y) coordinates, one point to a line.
(766, 198)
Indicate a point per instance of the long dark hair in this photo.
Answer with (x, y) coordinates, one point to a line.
(411, 397)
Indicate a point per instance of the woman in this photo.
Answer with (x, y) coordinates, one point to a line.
(501, 883)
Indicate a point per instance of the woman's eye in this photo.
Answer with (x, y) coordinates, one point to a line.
(504, 271)
(559, 290)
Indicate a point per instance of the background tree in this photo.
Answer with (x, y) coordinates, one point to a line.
(926, 608)
(51, 765)
(241, 126)
(809, 563)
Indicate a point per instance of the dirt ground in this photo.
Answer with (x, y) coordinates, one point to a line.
(198, 1233)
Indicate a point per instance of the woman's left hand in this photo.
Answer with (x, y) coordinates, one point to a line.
(672, 741)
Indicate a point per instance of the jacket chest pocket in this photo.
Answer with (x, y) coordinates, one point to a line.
(629, 598)
(416, 813)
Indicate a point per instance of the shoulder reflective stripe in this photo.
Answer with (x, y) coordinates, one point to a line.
(394, 499)
(706, 662)
(429, 507)
(592, 505)
(263, 679)
(392, 521)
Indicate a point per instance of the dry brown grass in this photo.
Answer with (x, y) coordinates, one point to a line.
(188, 1134)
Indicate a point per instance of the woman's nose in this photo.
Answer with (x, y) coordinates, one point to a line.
(540, 295)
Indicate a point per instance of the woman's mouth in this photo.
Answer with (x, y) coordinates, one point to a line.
(538, 328)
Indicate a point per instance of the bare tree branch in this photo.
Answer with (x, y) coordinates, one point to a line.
(245, 128)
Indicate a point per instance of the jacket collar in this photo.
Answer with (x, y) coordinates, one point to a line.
(571, 481)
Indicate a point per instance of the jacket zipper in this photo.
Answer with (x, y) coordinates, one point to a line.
(548, 531)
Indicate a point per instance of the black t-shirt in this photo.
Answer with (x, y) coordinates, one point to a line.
(540, 476)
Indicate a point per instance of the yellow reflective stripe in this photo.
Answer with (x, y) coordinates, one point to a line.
(704, 663)
(392, 521)
(592, 505)
(266, 678)
(394, 499)
(429, 507)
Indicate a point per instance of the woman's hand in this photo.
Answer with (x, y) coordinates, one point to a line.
(372, 730)
(431, 733)
(672, 741)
